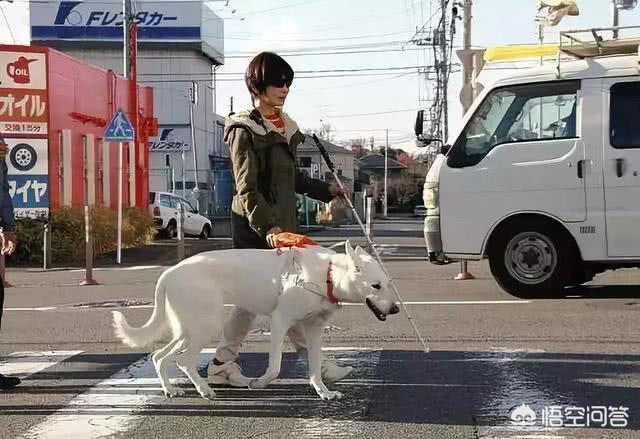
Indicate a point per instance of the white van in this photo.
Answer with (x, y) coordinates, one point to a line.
(543, 179)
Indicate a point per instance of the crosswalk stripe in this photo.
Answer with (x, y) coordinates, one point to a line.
(24, 364)
(117, 404)
(64, 425)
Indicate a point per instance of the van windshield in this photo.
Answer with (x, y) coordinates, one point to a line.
(543, 111)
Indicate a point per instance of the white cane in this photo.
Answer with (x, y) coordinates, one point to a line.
(332, 168)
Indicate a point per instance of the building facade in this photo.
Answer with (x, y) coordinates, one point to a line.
(58, 155)
(310, 161)
(180, 44)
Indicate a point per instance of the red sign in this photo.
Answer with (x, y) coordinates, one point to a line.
(19, 70)
(18, 105)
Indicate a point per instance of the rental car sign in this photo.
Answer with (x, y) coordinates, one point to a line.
(93, 20)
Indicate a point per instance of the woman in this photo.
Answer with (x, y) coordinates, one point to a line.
(263, 144)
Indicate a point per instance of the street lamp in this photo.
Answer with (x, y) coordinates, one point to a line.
(626, 4)
(616, 6)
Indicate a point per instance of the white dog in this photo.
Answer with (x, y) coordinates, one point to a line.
(297, 285)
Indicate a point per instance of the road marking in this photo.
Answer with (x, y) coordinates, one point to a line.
(327, 349)
(39, 308)
(436, 302)
(459, 302)
(80, 418)
(28, 363)
(99, 413)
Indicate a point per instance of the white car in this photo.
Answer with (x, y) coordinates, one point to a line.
(165, 208)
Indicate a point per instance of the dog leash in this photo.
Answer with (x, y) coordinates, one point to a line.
(332, 168)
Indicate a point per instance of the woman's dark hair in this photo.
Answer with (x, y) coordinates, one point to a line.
(266, 69)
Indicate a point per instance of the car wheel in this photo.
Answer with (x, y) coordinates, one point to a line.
(206, 232)
(23, 157)
(171, 231)
(532, 258)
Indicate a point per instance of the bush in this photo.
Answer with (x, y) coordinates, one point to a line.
(68, 234)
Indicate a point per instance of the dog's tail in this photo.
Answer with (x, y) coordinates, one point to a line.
(150, 331)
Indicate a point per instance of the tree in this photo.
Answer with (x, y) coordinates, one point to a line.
(405, 159)
(358, 148)
(325, 131)
(391, 153)
(403, 189)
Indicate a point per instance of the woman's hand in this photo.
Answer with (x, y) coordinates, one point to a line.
(271, 233)
(8, 243)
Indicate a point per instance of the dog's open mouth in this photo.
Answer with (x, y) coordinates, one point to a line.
(376, 311)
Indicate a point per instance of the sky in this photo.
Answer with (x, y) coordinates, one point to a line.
(355, 105)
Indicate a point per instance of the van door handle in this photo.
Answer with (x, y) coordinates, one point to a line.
(619, 167)
(580, 167)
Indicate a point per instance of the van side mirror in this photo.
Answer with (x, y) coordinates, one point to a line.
(419, 130)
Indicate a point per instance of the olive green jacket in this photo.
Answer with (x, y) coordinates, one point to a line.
(266, 174)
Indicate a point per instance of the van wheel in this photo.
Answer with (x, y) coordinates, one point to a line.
(206, 232)
(532, 258)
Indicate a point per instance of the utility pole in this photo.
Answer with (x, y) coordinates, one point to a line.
(386, 172)
(193, 102)
(615, 18)
(444, 60)
(467, 88)
(438, 39)
(127, 52)
(467, 62)
(126, 27)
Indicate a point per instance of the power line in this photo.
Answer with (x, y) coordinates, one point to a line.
(248, 14)
(372, 69)
(8, 25)
(112, 2)
(208, 80)
(374, 114)
(289, 54)
(354, 37)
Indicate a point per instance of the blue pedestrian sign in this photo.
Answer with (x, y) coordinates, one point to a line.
(119, 129)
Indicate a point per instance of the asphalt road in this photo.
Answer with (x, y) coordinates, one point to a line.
(567, 361)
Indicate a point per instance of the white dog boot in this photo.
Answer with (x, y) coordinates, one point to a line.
(332, 373)
(228, 373)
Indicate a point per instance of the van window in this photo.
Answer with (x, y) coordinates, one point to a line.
(165, 200)
(523, 113)
(624, 115)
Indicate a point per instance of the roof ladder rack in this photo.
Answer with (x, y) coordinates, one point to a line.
(591, 43)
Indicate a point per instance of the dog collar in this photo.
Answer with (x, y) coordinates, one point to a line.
(330, 295)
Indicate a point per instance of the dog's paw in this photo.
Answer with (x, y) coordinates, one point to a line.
(258, 383)
(329, 395)
(173, 392)
(207, 393)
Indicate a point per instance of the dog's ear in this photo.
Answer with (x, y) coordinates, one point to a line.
(360, 251)
(352, 257)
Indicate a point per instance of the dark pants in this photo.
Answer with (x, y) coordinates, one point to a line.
(1, 299)
(239, 323)
(243, 235)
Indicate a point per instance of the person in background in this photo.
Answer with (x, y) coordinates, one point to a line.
(263, 143)
(7, 240)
